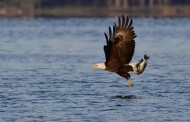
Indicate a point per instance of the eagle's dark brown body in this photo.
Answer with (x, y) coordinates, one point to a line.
(120, 47)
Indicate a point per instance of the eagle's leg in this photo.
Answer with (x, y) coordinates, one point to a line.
(129, 82)
(127, 76)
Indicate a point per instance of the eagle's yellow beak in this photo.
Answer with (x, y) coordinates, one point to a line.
(94, 66)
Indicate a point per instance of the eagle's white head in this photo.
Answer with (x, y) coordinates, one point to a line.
(99, 66)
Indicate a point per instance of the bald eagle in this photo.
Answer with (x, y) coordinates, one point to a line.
(120, 49)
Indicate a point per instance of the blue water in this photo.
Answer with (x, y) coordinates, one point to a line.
(46, 74)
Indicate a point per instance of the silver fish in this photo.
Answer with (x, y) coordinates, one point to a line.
(141, 65)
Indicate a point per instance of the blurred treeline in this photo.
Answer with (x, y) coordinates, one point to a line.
(93, 8)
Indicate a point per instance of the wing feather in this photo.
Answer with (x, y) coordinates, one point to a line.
(127, 21)
(119, 22)
(123, 21)
(120, 44)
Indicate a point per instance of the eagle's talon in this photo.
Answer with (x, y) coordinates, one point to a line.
(130, 83)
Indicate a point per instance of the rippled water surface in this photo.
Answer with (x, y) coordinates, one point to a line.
(46, 75)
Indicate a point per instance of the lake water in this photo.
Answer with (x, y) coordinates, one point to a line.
(46, 74)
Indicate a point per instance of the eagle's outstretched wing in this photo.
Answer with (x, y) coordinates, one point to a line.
(120, 44)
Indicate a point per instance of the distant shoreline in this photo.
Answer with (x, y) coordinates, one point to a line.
(61, 12)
